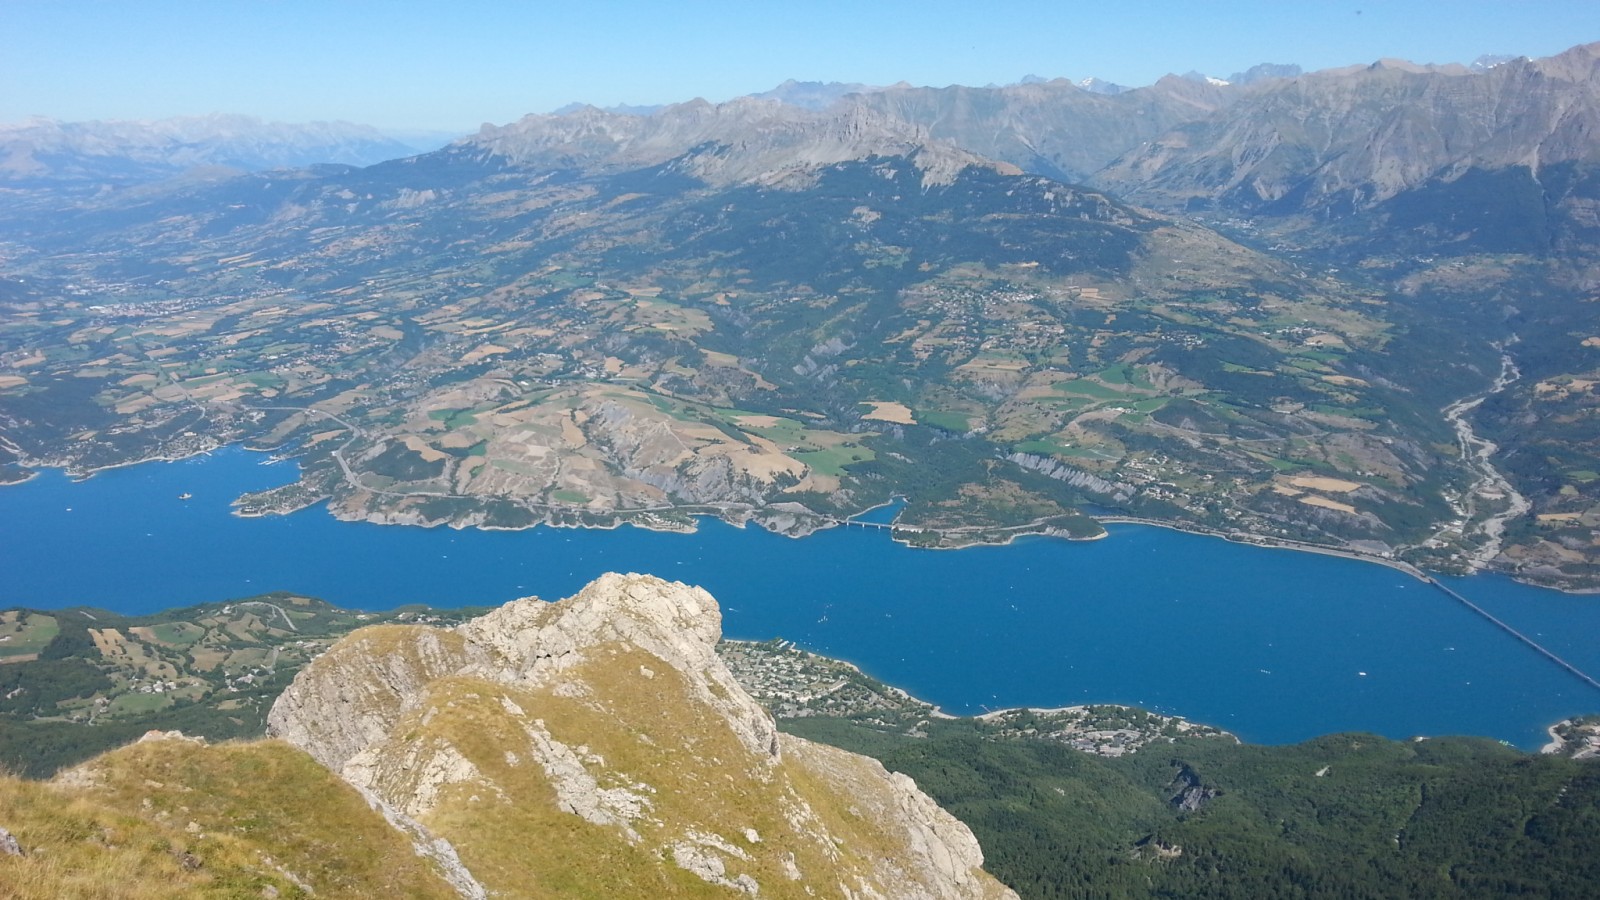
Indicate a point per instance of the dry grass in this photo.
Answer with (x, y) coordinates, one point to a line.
(1321, 483)
(1325, 503)
(890, 411)
(175, 819)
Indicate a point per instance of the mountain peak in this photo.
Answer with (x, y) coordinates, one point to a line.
(611, 712)
(1265, 72)
(815, 95)
(1101, 86)
(778, 143)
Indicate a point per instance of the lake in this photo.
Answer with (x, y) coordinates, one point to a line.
(1274, 645)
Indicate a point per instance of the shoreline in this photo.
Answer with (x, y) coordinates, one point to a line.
(257, 455)
(825, 522)
(1557, 744)
(1277, 543)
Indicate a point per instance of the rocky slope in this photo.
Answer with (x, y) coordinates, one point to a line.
(593, 747)
(1341, 141)
(608, 719)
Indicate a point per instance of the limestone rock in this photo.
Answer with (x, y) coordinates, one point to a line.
(607, 721)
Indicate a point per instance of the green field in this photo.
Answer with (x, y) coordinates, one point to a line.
(826, 452)
(949, 421)
(136, 704)
(26, 633)
(833, 460)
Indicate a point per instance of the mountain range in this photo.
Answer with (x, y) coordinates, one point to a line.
(1342, 308)
(1348, 310)
(45, 151)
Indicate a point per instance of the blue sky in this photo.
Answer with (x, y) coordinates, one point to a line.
(451, 66)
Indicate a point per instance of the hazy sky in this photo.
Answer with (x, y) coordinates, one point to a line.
(453, 65)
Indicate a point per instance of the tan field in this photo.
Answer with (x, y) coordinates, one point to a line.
(764, 461)
(890, 411)
(458, 440)
(233, 339)
(139, 403)
(424, 449)
(994, 364)
(1344, 380)
(108, 641)
(482, 351)
(571, 434)
(1325, 503)
(1319, 483)
(814, 481)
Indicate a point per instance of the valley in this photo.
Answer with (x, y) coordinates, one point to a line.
(1261, 415)
(1171, 374)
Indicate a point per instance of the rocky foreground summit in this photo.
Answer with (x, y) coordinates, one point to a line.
(591, 747)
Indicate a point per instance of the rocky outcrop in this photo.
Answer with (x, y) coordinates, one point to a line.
(606, 720)
(1078, 478)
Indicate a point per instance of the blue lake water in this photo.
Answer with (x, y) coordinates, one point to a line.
(1274, 645)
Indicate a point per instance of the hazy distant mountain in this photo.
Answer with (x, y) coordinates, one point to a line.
(1101, 86)
(813, 95)
(42, 150)
(421, 140)
(1055, 128)
(1488, 61)
(621, 109)
(743, 140)
(1264, 72)
(817, 94)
